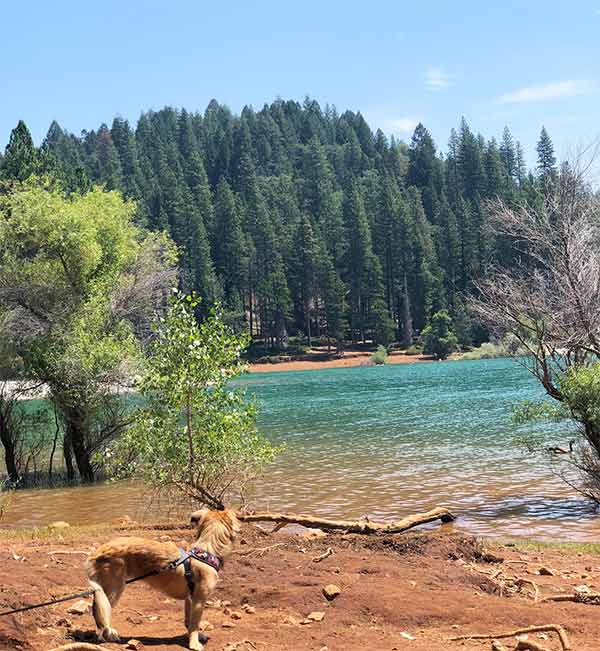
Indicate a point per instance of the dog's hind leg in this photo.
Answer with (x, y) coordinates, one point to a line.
(193, 617)
(108, 583)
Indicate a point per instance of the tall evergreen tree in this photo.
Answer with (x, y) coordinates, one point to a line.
(21, 158)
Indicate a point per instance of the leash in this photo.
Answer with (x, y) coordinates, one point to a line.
(171, 566)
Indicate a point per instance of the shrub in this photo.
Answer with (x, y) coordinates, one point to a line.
(439, 339)
(195, 433)
(380, 356)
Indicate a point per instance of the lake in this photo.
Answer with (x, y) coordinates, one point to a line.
(385, 442)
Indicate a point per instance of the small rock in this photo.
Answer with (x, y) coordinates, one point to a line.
(235, 614)
(316, 616)
(134, 644)
(251, 610)
(407, 636)
(582, 589)
(546, 571)
(331, 591)
(225, 603)
(59, 524)
(79, 608)
(292, 621)
(228, 625)
(314, 534)
(165, 538)
(455, 626)
(121, 521)
(206, 626)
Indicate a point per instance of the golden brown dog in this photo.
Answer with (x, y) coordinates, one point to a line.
(122, 558)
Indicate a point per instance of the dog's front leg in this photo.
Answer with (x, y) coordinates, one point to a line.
(195, 610)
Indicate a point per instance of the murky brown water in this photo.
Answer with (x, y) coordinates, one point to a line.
(382, 442)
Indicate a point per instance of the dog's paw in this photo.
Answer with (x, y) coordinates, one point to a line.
(195, 643)
(109, 635)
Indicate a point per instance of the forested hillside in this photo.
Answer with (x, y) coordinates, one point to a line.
(302, 221)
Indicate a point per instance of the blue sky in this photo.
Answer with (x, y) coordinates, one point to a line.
(522, 63)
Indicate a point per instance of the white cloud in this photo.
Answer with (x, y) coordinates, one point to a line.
(436, 79)
(568, 88)
(401, 125)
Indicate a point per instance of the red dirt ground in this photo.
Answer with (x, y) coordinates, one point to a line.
(430, 586)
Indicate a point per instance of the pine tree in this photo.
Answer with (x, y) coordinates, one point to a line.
(546, 161)
(21, 158)
(228, 245)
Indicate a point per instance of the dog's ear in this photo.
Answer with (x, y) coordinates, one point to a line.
(197, 518)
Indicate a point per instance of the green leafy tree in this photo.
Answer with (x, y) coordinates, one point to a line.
(439, 339)
(80, 284)
(195, 434)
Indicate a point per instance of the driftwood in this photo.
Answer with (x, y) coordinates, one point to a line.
(351, 526)
(559, 630)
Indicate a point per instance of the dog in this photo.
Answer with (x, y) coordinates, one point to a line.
(117, 560)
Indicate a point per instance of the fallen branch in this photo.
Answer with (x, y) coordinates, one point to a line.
(323, 556)
(351, 526)
(589, 598)
(559, 630)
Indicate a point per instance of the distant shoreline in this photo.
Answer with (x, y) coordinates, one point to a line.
(348, 360)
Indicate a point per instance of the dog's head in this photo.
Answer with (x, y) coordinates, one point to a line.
(217, 527)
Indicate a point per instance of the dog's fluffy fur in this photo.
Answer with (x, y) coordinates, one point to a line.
(122, 558)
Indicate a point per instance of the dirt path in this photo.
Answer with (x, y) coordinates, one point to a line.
(422, 586)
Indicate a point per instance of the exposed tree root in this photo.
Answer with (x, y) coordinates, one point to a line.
(323, 556)
(351, 526)
(559, 630)
(590, 598)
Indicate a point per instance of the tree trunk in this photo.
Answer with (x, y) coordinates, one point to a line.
(77, 434)
(9, 452)
(82, 455)
(7, 437)
(68, 456)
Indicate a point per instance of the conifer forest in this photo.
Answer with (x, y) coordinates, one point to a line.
(302, 221)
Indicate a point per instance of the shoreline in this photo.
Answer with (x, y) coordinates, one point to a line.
(350, 359)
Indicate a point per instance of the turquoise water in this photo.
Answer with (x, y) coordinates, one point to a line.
(386, 441)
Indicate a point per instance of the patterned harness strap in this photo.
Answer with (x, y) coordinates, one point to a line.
(199, 555)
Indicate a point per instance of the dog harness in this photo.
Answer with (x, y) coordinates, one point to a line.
(199, 555)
